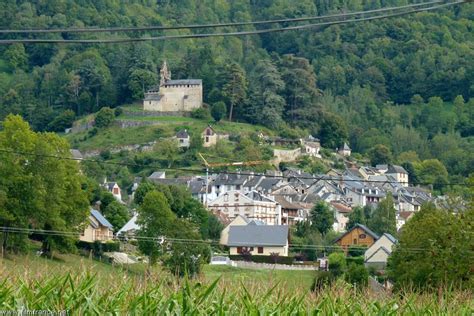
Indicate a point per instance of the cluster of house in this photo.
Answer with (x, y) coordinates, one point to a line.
(259, 208)
(284, 198)
(256, 238)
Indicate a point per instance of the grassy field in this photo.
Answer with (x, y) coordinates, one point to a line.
(160, 127)
(84, 286)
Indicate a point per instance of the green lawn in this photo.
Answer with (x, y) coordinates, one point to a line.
(296, 280)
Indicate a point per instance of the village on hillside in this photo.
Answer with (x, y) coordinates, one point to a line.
(259, 210)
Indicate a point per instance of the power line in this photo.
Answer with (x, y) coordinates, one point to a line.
(204, 26)
(201, 171)
(222, 34)
(20, 230)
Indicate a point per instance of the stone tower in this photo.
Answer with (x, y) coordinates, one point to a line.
(173, 97)
(165, 74)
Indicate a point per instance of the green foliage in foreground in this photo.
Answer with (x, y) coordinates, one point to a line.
(84, 294)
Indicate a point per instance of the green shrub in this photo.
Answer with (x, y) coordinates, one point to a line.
(265, 259)
(118, 111)
(97, 247)
(357, 274)
(201, 114)
(105, 117)
(218, 111)
(337, 263)
(355, 260)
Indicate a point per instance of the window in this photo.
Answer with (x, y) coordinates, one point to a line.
(181, 141)
(362, 236)
(207, 139)
(355, 241)
(251, 248)
(260, 249)
(239, 249)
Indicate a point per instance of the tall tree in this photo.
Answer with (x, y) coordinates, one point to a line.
(266, 104)
(383, 218)
(444, 244)
(300, 85)
(155, 219)
(322, 217)
(234, 88)
(38, 191)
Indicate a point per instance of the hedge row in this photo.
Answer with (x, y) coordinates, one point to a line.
(263, 259)
(97, 247)
(356, 260)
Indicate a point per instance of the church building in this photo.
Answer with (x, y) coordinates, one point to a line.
(173, 96)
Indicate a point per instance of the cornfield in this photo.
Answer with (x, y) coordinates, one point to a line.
(84, 293)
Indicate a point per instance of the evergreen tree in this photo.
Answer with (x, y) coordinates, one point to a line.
(234, 89)
(383, 218)
(322, 218)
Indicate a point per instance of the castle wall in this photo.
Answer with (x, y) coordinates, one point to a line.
(176, 98)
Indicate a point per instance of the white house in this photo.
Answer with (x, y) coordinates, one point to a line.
(114, 188)
(183, 138)
(98, 228)
(130, 228)
(345, 150)
(377, 254)
(311, 146)
(341, 216)
(402, 218)
(398, 173)
(252, 205)
(259, 240)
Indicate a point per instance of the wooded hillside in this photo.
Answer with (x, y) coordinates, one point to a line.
(402, 86)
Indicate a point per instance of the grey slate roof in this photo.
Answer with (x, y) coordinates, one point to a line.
(184, 81)
(268, 183)
(100, 218)
(110, 185)
(258, 235)
(254, 195)
(182, 134)
(365, 228)
(230, 179)
(391, 238)
(254, 181)
(396, 169)
(197, 186)
(152, 96)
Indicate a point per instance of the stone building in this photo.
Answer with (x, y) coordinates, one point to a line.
(173, 96)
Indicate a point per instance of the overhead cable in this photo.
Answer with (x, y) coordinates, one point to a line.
(221, 34)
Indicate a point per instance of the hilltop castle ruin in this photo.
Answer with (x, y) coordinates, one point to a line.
(173, 96)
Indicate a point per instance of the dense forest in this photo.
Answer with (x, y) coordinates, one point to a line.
(399, 88)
